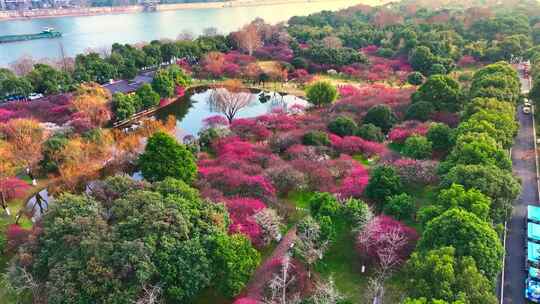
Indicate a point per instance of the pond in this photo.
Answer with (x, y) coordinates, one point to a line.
(189, 112)
(192, 109)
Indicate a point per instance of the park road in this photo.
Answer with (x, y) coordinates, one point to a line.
(524, 166)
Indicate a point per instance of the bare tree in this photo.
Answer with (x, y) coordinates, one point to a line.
(185, 35)
(210, 32)
(388, 245)
(248, 38)
(270, 223)
(23, 65)
(230, 98)
(19, 281)
(309, 245)
(332, 42)
(151, 295)
(280, 283)
(326, 293)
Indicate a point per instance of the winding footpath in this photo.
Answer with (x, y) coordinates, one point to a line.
(524, 166)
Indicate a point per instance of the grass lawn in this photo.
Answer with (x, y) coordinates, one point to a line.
(343, 264)
(363, 160)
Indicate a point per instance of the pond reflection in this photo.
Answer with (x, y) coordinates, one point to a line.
(191, 110)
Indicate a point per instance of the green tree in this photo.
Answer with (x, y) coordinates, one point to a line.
(470, 200)
(400, 206)
(321, 93)
(469, 235)
(422, 59)
(476, 149)
(324, 204)
(499, 185)
(148, 97)
(490, 105)
(123, 106)
(498, 80)
(441, 137)
(383, 182)
(417, 147)
(370, 132)
(165, 157)
(178, 75)
(441, 274)
(316, 138)
(500, 126)
(342, 126)
(380, 116)
(93, 68)
(11, 85)
(51, 148)
(419, 111)
(443, 92)
(163, 84)
(234, 262)
(47, 80)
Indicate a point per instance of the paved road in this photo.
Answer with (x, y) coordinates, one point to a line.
(524, 165)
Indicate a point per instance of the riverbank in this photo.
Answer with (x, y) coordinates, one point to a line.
(93, 11)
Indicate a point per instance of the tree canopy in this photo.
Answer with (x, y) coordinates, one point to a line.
(165, 157)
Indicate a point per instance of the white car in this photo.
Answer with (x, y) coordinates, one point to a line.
(526, 110)
(35, 96)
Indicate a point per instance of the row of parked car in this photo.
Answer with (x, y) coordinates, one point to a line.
(527, 106)
(33, 96)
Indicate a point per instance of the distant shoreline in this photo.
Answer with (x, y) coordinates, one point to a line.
(94, 11)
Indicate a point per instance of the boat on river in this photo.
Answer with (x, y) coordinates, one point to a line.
(47, 33)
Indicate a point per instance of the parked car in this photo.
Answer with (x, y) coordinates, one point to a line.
(35, 96)
(526, 110)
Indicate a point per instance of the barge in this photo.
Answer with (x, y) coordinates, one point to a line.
(48, 33)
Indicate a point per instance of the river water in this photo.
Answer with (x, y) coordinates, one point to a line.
(82, 33)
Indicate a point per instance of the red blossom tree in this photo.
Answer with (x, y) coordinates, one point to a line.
(407, 129)
(241, 211)
(386, 241)
(16, 236)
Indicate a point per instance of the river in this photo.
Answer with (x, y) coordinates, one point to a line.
(82, 33)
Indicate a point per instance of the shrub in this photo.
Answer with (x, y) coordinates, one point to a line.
(316, 138)
(342, 126)
(417, 147)
(370, 132)
(400, 207)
